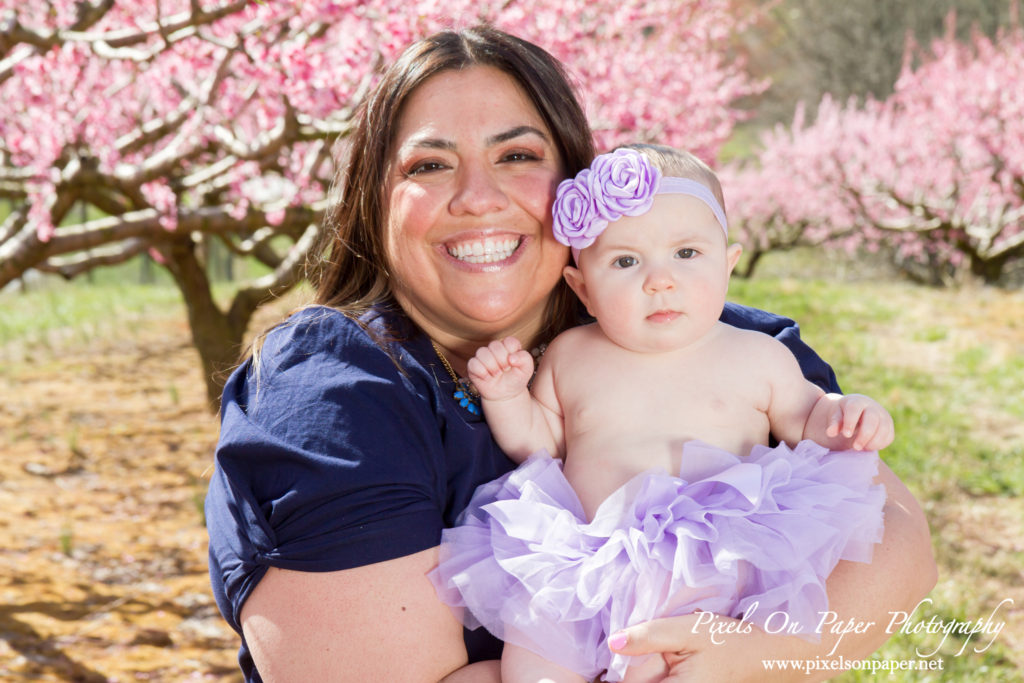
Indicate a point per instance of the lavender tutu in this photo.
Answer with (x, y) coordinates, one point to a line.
(736, 536)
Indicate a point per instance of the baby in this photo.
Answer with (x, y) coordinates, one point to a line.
(664, 496)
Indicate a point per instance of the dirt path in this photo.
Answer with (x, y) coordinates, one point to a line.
(103, 578)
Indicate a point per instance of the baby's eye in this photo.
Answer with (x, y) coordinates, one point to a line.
(625, 262)
(686, 253)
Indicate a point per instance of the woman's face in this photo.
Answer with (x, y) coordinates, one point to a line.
(473, 173)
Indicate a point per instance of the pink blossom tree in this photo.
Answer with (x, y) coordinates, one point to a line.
(181, 122)
(934, 174)
(787, 196)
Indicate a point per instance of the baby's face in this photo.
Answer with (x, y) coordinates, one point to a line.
(657, 282)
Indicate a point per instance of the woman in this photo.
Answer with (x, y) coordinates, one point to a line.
(348, 441)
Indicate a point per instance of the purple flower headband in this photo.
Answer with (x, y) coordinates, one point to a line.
(617, 184)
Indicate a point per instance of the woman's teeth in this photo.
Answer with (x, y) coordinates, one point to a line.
(484, 251)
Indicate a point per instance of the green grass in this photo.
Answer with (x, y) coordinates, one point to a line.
(854, 326)
(945, 449)
(104, 300)
(81, 311)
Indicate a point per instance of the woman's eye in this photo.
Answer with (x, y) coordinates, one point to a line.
(686, 253)
(625, 262)
(424, 167)
(520, 156)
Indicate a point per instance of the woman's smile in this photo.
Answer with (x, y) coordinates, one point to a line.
(485, 250)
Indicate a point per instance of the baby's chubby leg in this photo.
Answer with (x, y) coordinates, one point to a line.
(519, 665)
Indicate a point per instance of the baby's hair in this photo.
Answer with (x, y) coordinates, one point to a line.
(680, 164)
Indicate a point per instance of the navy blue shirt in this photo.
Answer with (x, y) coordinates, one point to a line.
(338, 454)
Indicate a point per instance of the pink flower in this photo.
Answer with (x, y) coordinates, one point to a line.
(275, 216)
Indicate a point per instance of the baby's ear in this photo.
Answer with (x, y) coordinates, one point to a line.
(732, 255)
(574, 276)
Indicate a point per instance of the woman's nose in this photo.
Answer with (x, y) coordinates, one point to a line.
(477, 191)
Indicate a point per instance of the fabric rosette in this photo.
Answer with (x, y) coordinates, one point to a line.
(575, 220)
(617, 184)
(623, 183)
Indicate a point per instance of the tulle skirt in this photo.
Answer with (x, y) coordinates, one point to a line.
(754, 537)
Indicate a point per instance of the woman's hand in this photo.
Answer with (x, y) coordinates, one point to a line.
(705, 647)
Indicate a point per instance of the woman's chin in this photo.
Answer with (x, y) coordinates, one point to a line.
(494, 314)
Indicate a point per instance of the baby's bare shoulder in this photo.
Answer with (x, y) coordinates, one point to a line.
(755, 348)
(577, 354)
(572, 340)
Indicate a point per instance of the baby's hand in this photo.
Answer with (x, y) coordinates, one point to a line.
(861, 417)
(501, 370)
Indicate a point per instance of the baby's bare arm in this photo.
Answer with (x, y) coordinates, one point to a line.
(793, 398)
(801, 410)
(501, 372)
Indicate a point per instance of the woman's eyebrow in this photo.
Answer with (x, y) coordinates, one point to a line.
(496, 139)
(432, 143)
(515, 133)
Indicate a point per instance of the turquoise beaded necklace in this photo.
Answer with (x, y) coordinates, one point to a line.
(465, 393)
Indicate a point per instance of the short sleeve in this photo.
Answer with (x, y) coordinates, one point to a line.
(786, 331)
(329, 458)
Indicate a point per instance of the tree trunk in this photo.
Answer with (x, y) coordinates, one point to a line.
(751, 263)
(989, 270)
(146, 276)
(216, 336)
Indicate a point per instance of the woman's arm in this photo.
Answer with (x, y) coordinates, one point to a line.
(323, 515)
(378, 622)
(901, 574)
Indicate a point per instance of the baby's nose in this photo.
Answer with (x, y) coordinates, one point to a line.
(659, 280)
